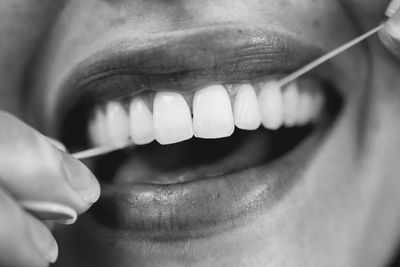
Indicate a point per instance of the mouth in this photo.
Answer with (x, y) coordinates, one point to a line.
(217, 140)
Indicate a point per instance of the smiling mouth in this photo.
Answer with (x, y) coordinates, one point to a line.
(217, 140)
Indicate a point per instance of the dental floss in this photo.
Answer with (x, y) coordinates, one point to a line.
(93, 152)
(312, 65)
(97, 151)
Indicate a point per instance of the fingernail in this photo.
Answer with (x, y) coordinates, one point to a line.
(390, 34)
(43, 240)
(57, 144)
(392, 8)
(81, 179)
(50, 211)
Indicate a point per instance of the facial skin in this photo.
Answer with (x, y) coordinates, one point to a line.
(341, 213)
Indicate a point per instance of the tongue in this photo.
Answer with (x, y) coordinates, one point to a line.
(197, 158)
(193, 159)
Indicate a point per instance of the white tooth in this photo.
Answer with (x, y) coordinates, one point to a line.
(318, 105)
(290, 96)
(117, 122)
(98, 135)
(305, 108)
(271, 105)
(172, 118)
(212, 113)
(310, 106)
(141, 122)
(246, 110)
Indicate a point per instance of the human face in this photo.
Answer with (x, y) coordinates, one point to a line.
(327, 202)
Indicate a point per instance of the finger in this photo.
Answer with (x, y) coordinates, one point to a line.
(44, 242)
(392, 8)
(57, 144)
(50, 211)
(32, 169)
(390, 34)
(24, 240)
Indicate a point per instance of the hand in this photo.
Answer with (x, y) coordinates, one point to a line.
(31, 169)
(390, 34)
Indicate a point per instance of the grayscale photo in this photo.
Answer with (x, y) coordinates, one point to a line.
(199, 133)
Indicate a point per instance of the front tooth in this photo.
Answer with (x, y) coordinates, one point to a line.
(172, 118)
(98, 135)
(271, 105)
(290, 104)
(246, 110)
(141, 121)
(117, 123)
(212, 113)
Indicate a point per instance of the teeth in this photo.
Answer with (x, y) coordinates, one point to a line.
(98, 130)
(214, 116)
(311, 102)
(271, 105)
(172, 118)
(246, 109)
(305, 108)
(141, 119)
(318, 104)
(212, 113)
(117, 123)
(290, 104)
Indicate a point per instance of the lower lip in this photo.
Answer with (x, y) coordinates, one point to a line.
(201, 208)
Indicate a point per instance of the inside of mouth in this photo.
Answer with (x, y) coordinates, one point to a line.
(194, 158)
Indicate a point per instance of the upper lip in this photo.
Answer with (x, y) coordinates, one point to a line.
(181, 61)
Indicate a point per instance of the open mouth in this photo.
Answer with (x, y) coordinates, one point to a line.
(217, 139)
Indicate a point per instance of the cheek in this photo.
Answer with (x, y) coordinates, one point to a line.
(368, 13)
(22, 25)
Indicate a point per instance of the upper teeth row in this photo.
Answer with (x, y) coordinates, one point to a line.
(216, 111)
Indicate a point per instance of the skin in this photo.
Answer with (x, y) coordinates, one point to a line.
(27, 156)
(344, 213)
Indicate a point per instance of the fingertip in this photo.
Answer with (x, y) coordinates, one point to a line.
(52, 211)
(57, 144)
(42, 239)
(81, 179)
(390, 36)
(392, 8)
